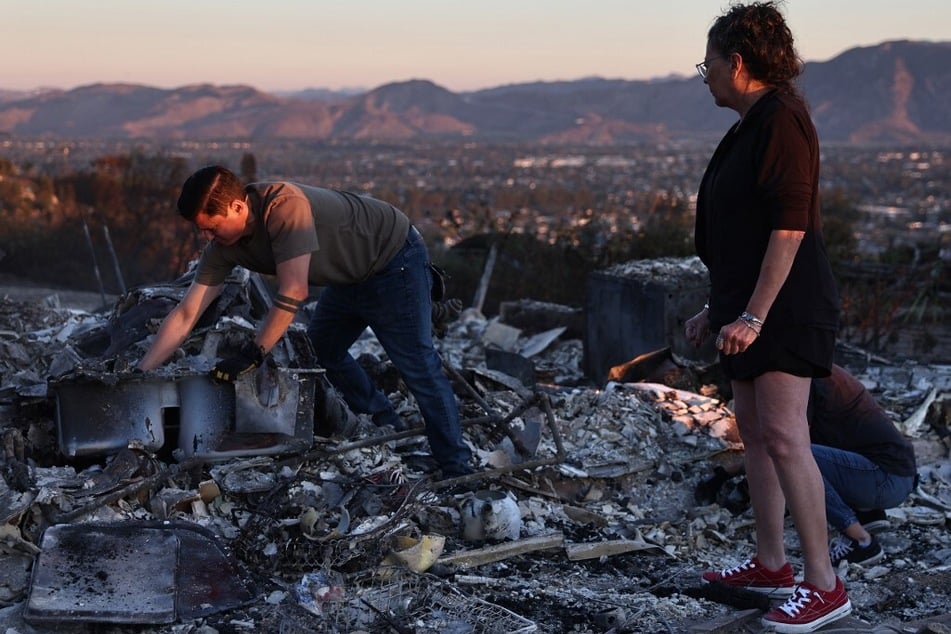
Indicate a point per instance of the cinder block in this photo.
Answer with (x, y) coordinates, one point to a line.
(641, 306)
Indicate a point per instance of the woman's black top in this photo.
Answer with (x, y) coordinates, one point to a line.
(764, 176)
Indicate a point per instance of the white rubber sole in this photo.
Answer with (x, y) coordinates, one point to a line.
(793, 628)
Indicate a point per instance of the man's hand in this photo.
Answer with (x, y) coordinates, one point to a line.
(249, 357)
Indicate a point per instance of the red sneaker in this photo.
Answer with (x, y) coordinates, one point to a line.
(752, 575)
(809, 609)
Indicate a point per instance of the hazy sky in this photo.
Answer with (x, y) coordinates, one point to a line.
(459, 44)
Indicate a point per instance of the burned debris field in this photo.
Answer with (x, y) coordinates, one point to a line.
(273, 508)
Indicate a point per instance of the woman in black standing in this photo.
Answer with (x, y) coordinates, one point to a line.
(773, 301)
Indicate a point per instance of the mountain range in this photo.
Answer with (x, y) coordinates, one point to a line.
(894, 92)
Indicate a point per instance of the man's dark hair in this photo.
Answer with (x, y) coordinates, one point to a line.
(210, 190)
(759, 33)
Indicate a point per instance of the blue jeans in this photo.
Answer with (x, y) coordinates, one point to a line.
(852, 481)
(396, 304)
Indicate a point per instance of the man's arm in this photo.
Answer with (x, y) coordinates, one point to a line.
(292, 291)
(178, 324)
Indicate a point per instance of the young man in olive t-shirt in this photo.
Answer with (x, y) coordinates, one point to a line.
(374, 270)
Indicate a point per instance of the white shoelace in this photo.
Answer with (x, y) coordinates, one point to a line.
(840, 547)
(796, 601)
(746, 565)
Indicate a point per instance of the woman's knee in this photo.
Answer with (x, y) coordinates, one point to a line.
(783, 448)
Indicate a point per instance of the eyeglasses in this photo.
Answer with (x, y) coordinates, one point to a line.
(702, 66)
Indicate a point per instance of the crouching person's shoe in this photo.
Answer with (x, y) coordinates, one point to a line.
(808, 608)
(752, 575)
(844, 548)
(873, 520)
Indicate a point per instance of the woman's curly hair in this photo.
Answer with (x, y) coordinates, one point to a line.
(758, 32)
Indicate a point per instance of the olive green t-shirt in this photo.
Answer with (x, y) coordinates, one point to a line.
(350, 237)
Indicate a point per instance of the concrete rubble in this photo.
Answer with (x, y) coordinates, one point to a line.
(618, 501)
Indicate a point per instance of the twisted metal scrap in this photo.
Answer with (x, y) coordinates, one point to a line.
(298, 554)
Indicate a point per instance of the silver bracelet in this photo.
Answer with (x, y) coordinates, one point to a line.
(751, 326)
(750, 318)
